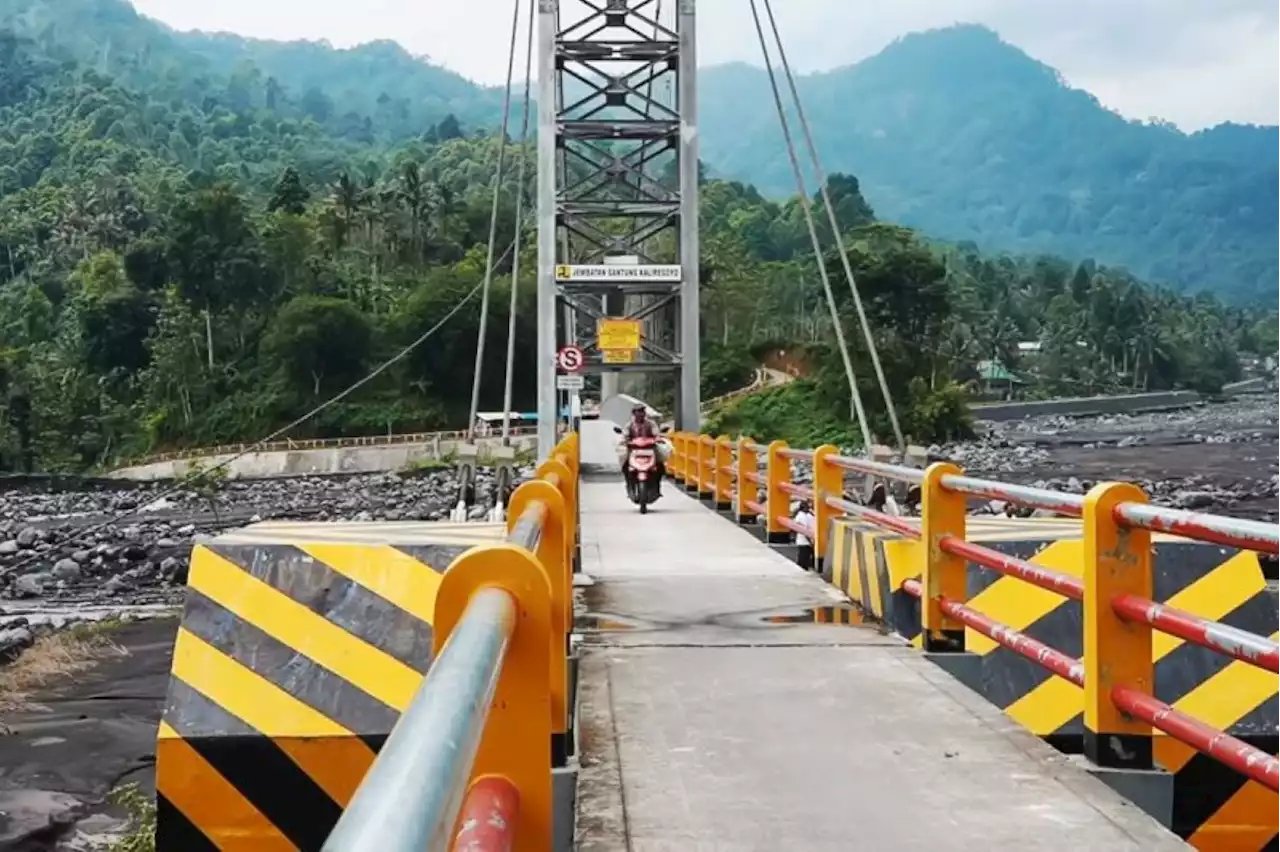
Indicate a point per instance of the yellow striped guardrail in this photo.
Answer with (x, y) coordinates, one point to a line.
(470, 760)
(1121, 618)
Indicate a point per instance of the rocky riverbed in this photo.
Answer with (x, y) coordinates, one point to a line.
(1215, 457)
(100, 553)
(108, 554)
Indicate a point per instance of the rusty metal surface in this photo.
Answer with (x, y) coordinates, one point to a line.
(1011, 566)
(1239, 644)
(1240, 756)
(1232, 532)
(880, 519)
(1063, 665)
(488, 819)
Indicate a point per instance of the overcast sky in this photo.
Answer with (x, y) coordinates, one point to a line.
(1193, 62)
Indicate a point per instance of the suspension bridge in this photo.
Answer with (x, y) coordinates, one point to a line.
(569, 675)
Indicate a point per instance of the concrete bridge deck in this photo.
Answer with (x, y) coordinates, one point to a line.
(709, 722)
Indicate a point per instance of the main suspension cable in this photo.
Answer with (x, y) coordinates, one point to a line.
(515, 258)
(493, 222)
(813, 234)
(821, 178)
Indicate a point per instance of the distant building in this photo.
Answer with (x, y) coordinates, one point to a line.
(995, 380)
(489, 423)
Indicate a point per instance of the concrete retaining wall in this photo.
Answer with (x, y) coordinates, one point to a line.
(314, 462)
(1127, 404)
(1247, 386)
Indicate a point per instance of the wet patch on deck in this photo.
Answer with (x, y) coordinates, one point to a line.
(847, 615)
(605, 622)
(605, 618)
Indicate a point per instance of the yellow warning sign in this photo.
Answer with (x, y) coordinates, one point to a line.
(618, 356)
(615, 334)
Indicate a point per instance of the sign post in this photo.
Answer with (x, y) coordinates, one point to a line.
(570, 362)
(570, 359)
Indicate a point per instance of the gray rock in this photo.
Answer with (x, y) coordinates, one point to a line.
(1194, 500)
(29, 585)
(15, 640)
(66, 569)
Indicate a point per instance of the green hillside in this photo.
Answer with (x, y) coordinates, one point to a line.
(375, 92)
(952, 131)
(183, 266)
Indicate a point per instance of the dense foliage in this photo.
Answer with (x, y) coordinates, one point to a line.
(967, 138)
(375, 92)
(181, 265)
(939, 311)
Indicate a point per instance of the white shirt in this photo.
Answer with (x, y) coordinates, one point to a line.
(804, 519)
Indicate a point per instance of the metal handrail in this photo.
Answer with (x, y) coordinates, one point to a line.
(422, 778)
(950, 553)
(410, 798)
(910, 475)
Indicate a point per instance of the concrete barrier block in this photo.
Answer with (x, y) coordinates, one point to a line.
(1152, 791)
(564, 790)
(299, 647)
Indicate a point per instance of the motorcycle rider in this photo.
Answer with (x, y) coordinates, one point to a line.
(640, 426)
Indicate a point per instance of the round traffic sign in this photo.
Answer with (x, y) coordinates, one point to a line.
(570, 359)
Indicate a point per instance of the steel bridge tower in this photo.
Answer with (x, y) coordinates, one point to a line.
(617, 193)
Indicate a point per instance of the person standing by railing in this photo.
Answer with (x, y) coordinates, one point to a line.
(804, 517)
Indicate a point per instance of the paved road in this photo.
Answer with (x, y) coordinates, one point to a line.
(87, 735)
(716, 731)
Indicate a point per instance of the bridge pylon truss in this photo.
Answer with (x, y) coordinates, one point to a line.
(618, 187)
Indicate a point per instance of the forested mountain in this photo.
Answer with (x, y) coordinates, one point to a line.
(375, 92)
(181, 266)
(952, 131)
(960, 134)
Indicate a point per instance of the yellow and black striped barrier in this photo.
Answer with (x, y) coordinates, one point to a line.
(300, 646)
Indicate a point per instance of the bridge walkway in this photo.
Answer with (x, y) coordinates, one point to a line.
(707, 720)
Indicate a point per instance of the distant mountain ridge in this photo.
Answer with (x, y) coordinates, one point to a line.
(952, 131)
(966, 137)
(376, 91)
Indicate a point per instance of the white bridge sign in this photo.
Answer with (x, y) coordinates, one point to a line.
(619, 273)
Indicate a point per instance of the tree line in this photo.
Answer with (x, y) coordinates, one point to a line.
(176, 273)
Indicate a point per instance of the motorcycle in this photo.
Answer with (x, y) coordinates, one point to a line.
(642, 475)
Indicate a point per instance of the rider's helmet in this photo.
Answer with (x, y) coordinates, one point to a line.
(638, 411)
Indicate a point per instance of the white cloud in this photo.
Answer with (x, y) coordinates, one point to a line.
(1193, 62)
